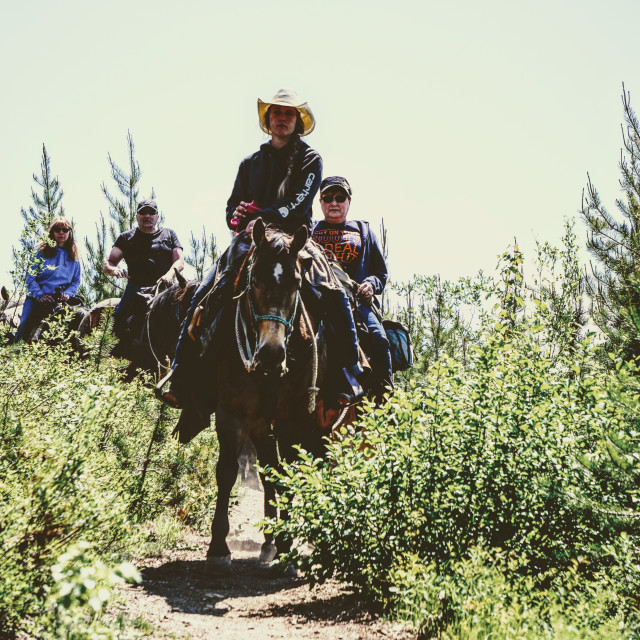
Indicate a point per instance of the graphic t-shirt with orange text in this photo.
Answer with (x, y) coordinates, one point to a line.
(344, 241)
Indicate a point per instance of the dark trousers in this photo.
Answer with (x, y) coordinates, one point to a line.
(131, 303)
(381, 372)
(27, 310)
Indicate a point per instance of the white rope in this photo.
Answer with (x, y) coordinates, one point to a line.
(341, 417)
(244, 356)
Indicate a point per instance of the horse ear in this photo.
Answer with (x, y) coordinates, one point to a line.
(300, 238)
(257, 233)
(5, 293)
(182, 281)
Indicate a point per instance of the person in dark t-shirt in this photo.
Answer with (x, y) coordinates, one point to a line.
(152, 256)
(355, 246)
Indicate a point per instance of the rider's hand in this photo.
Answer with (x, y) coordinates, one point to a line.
(117, 272)
(63, 296)
(249, 226)
(167, 278)
(239, 214)
(45, 298)
(365, 290)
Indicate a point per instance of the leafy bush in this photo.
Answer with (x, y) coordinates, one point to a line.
(510, 450)
(84, 459)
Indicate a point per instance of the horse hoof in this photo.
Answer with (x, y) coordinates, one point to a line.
(285, 570)
(267, 553)
(289, 571)
(219, 564)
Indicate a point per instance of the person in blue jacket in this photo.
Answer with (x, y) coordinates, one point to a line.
(355, 246)
(277, 183)
(54, 273)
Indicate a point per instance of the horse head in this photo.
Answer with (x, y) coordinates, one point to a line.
(273, 288)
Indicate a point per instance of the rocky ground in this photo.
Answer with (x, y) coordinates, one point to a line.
(180, 598)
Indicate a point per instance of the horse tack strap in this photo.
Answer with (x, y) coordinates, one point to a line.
(196, 321)
(246, 354)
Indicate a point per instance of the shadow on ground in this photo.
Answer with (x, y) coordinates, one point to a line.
(189, 586)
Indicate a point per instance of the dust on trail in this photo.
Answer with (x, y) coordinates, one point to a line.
(180, 598)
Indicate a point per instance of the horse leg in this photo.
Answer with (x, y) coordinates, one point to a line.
(267, 455)
(218, 554)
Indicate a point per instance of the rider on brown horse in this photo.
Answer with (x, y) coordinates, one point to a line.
(153, 255)
(277, 183)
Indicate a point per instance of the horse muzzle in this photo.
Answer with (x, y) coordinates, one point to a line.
(270, 358)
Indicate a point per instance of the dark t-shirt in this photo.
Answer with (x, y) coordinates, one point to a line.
(148, 255)
(343, 240)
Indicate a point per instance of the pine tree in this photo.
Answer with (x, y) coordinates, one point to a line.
(122, 216)
(37, 219)
(615, 243)
(203, 253)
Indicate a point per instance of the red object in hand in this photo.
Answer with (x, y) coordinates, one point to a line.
(253, 209)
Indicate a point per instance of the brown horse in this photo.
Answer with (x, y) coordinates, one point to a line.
(268, 370)
(160, 328)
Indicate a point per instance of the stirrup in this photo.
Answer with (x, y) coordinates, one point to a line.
(195, 323)
(168, 397)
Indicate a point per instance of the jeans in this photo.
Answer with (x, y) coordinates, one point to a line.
(198, 296)
(27, 309)
(381, 372)
(129, 304)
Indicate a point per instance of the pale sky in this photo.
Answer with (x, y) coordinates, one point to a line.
(462, 124)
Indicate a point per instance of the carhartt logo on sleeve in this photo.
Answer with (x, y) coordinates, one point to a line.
(283, 211)
(305, 192)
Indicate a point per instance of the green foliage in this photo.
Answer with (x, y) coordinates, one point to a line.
(613, 241)
(37, 220)
(493, 595)
(203, 253)
(122, 216)
(558, 285)
(510, 448)
(80, 589)
(440, 316)
(85, 459)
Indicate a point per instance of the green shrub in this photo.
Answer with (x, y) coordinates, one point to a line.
(85, 459)
(492, 454)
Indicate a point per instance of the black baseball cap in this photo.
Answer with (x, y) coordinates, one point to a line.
(147, 204)
(336, 181)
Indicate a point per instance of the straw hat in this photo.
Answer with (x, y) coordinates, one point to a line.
(288, 98)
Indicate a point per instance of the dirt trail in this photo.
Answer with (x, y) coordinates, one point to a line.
(181, 599)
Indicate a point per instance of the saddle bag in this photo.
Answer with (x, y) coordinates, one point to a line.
(399, 345)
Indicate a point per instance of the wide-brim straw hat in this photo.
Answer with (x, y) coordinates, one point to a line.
(288, 98)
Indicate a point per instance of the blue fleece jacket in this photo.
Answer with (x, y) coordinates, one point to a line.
(46, 274)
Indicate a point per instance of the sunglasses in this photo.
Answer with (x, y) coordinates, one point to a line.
(61, 229)
(338, 197)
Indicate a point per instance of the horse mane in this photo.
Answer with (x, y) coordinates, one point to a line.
(184, 290)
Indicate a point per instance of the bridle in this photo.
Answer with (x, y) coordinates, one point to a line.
(248, 354)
